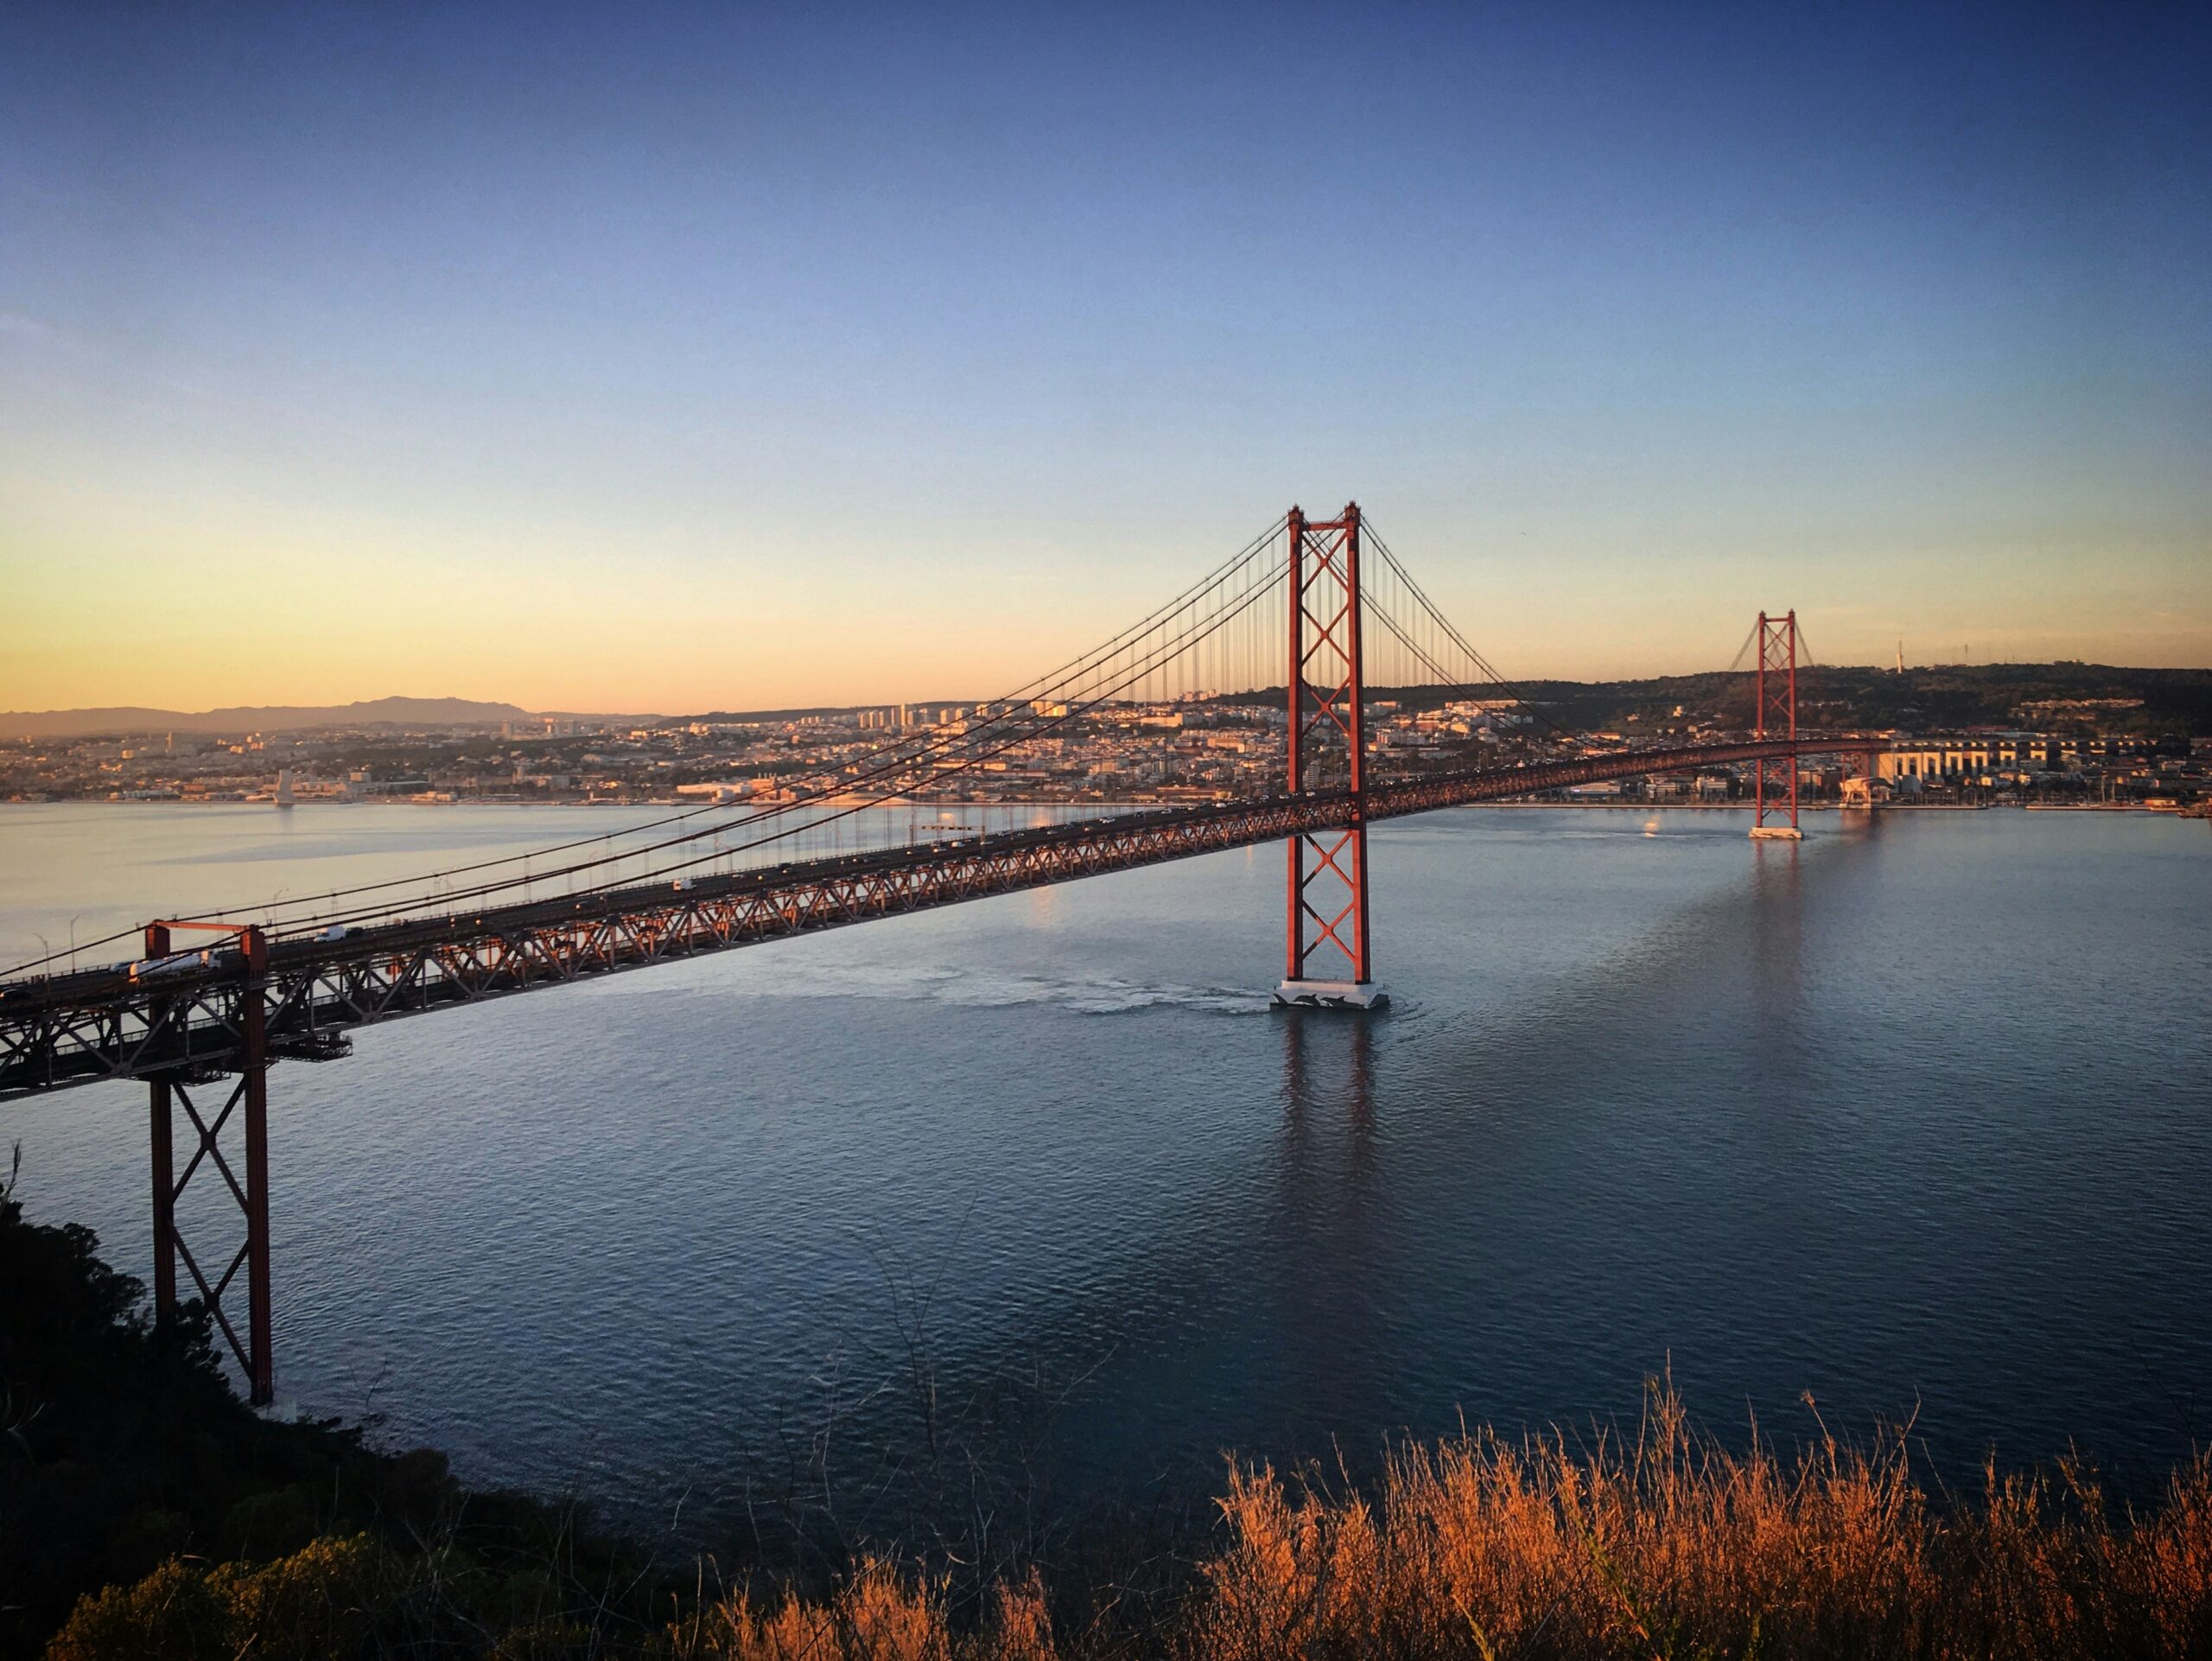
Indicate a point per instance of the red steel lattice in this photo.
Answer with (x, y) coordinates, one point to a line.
(1775, 716)
(247, 1100)
(1328, 896)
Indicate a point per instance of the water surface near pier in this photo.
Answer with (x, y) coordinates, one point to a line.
(1916, 1117)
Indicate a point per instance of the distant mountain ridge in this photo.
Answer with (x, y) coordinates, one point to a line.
(259, 718)
(1922, 697)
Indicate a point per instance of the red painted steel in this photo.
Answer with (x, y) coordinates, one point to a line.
(253, 950)
(1293, 911)
(297, 999)
(237, 1010)
(162, 1116)
(1775, 697)
(1328, 728)
(1364, 972)
(170, 1082)
(81, 1029)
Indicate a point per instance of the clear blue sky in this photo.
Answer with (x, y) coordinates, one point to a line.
(667, 358)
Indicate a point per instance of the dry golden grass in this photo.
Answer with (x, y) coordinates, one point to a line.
(1662, 1545)
(1654, 1546)
(1670, 1545)
(878, 1614)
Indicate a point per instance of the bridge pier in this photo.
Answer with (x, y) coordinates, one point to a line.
(164, 1203)
(162, 1119)
(1304, 994)
(248, 1100)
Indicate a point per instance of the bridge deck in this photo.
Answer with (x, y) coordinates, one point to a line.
(63, 1030)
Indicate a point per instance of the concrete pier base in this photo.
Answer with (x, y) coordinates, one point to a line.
(1776, 833)
(1330, 995)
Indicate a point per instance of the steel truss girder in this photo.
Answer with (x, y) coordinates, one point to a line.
(86, 1029)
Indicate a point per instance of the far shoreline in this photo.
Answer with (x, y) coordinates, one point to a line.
(2170, 809)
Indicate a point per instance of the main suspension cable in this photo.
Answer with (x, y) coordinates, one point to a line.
(887, 764)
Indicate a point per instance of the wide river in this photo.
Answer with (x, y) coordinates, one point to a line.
(1916, 1117)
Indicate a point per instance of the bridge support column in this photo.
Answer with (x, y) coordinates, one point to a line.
(1776, 698)
(1326, 960)
(253, 946)
(161, 1124)
(247, 1100)
(164, 1203)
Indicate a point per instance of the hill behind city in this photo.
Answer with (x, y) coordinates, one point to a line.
(2148, 702)
(259, 718)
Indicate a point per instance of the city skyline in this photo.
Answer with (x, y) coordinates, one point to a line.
(760, 362)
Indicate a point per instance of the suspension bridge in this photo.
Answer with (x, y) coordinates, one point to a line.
(1306, 632)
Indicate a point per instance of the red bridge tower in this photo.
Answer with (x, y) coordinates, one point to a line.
(1326, 962)
(1775, 713)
